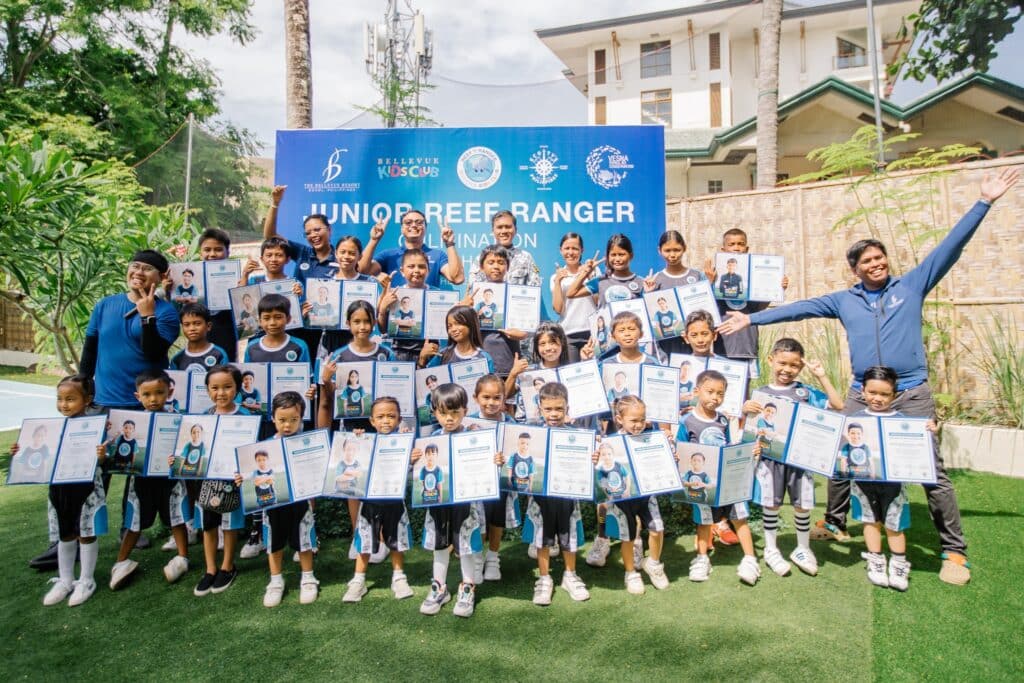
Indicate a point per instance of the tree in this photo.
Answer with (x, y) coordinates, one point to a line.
(768, 94)
(956, 36)
(297, 59)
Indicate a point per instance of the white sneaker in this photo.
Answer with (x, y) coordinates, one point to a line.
(121, 571)
(555, 550)
(598, 553)
(309, 590)
(899, 574)
(748, 571)
(492, 568)
(82, 592)
(531, 551)
(169, 545)
(638, 551)
(380, 555)
(400, 586)
(58, 592)
(574, 586)
(176, 568)
(805, 560)
(542, 590)
(655, 572)
(634, 583)
(272, 596)
(776, 562)
(478, 569)
(876, 570)
(700, 568)
(356, 590)
(436, 598)
(250, 550)
(466, 601)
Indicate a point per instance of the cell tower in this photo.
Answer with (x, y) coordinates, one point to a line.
(399, 53)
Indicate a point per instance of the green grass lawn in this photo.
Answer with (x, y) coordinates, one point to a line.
(832, 627)
(18, 374)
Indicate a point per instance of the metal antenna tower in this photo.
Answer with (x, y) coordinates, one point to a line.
(399, 53)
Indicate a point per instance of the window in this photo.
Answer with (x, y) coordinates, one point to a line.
(849, 55)
(781, 177)
(655, 59)
(656, 107)
(714, 186)
(715, 95)
(714, 51)
(600, 111)
(599, 67)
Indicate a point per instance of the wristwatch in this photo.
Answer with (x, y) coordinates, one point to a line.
(148, 319)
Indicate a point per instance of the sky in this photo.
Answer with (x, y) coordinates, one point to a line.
(493, 45)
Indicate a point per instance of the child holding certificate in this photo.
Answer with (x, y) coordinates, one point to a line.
(78, 510)
(414, 268)
(464, 341)
(630, 415)
(290, 524)
(456, 525)
(381, 525)
(705, 425)
(619, 283)
(773, 479)
(275, 345)
(881, 504)
(149, 496)
(273, 257)
(551, 349)
(199, 353)
(501, 341)
(347, 251)
(676, 273)
(552, 522)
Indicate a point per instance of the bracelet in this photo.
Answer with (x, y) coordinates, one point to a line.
(448, 245)
(274, 206)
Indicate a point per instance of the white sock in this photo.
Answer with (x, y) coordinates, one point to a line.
(66, 561)
(396, 574)
(802, 522)
(468, 564)
(441, 566)
(568, 573)
(276, 580)
(771, 529)
(359, 576)
(492, 554)
(89, 552)
(307, 576)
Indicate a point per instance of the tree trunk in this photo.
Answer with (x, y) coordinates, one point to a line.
(299, 70)
(768, 95)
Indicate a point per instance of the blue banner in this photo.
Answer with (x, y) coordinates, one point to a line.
(594, 180)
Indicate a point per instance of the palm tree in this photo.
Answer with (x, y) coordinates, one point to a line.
(299, 69)
(768, 94)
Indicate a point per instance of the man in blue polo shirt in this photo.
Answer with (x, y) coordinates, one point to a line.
(882, 318)
(445, 264)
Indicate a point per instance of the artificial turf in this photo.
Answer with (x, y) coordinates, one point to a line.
(831, 627)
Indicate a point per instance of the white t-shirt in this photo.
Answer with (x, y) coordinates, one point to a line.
(576, 314)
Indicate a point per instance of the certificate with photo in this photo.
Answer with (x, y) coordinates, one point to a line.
(489, 304)
(349, 465)
(192, 447)
(398, 380)
(771, 426)
(530, 382)
(570, 469)
(732, 280)
(860, 449)
(614, 478)
(306, 457)
(324, 297)
(427, 380)
(474, 474)
(230, 432)
(664, 314)
(285, 288)
(198, 398)
(244, 310)
(163, 437)
(254, 395)
(654, 463)
(637, 308)
(406, 317)
(187, 283)
(690, 367)
(389, 466)
(586, 389)
(264, 475)
(431, 475)
(698, 297)
(601, 331)
(620, 380)
(525, 448)
(76, 454)
(126, 441)
(465, 373)
(522, 307)
(907, 453)
(38, 442)
(220, 278)
(766, 274)
(290, 377)
(356, 290)
(814, 438)
(438, 302)
(737, 374)
(715, 475)
(659, 390)
(177, 393)
(354, 389)
(476, 424)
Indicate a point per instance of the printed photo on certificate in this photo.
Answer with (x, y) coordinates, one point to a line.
(324, 298)
(221, 277)
(530, 383)
(244, 311)
(254, 395)
(489, 304)
(698, 472)
(431, 475)
(601, 331)
(354, 391)
(525, 448)
(663, 313)
(731, 281)
(177, 392)
(356, 290)
(38, 441)
(427, 380)
(770, 427)
(614, 478)
(689, 367)
(405, 320)
(264, 476)
(620, 380)
(126, 441)
(737, 374)
(349, 465)
(860, 451)
(187, 283)
(76, 454)
(193, 447)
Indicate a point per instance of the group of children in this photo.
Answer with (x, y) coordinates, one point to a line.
(551, 526)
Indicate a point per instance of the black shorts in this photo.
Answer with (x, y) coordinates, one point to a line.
(384, 520)
(558, 521)
(154, 496)
(639, 508)
(444, 523)
(494, 510)
(67, 500)
(285, 524)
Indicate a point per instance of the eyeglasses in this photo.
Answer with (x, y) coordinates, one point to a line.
(140, 267)
(414, 222)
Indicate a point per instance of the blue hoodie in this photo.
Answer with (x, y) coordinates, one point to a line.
(887, 330)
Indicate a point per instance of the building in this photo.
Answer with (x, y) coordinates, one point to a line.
(694, 70)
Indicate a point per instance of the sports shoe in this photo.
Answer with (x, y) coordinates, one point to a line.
(804, 559)
(309, 590)
(724, 533)
(203, 587)
(554, 550)
(776, 562)
(223, 580)
(380, 555)
(574, 586)
(58, 592)
(492, 568)
(655, 572)
(465, 603)
(356, 589)
(638, 551)
(176, 568)
(598, 553)
(956, 570)
(700, 568)
(531, 551)
(169, 545)
(748, 571)
(876, 570)
(634, 583)
(272, 596)
(899, 573)
(254, 546)
(400, 586)
(436, 598)
(143, 542)
(826, 531)
(83, 591)
(121, 571)
(47, 560)
(542, 590)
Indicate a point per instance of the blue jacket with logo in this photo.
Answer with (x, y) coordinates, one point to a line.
(887, 331)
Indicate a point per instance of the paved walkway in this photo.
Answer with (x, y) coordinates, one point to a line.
(19, 400)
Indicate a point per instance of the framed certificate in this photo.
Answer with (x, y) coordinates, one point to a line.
(285, 288)
(406, 317)
(221, 277)
(586, 390)
(715, 475)
(907, 453)
(187, 283)
(438, 302)
(654, 463)
(659, 390)
(244, 310)
(389, 466)
(127, 441)
(230, 432)
(306, 457)
(637, 307)
(737, 374)
(771, 427)
(38, 443)
(356, 290)
(163, 436)
(522, 307)
(76, 454)
(324, 297)
(620, 380)
(749, 277)
(290, 377)
(814, 438)
(766, 273)
(698, 297)
(570, 471)
(474, 474)
(489, 304)
(397, 379)
(264, 475)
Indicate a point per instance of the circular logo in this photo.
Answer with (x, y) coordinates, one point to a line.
(634, 286)
(479, 168)
(607, 166)
(210, 361)
(291, 355)
(522, 470)
(124, 450)
(614, 480)
(356, 396)
(801, 392)
(303, 266)
(712, 437)
(690, 279)
(858, 456)
(617, 293)
(35, 461)
(430, 481)
(193, 456)
(735, 304)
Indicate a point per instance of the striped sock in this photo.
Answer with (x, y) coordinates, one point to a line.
(802, 521)
(771, 529)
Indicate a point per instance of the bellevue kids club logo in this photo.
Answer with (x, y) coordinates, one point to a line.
(414, 168)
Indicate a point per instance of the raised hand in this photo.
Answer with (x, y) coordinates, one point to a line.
(378, 230)
(992, 188)
(146, 303)
(709, 269)
(815, 367)
(649, 284)
(734, 322)
(277, 194)
(447, 235)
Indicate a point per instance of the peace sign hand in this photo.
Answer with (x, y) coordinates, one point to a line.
(146, 303)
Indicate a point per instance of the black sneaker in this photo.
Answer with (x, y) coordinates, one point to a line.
(205, 585)
(143, 542)
(47, 560)
(223, 580)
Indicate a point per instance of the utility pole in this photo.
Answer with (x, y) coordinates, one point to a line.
(399, 54)
(188, 165)
(873, 47)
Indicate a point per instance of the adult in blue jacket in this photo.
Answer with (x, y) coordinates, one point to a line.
(882, 318)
